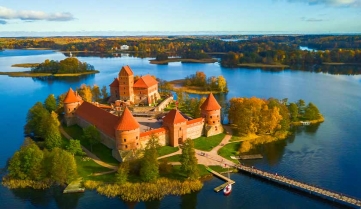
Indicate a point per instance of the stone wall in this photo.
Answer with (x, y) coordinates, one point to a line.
(195, 130)
(161, 133)
(164, 104)
(105, 139)
(213, 130)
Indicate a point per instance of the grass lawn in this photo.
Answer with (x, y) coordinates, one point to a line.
(208, 143)
(230, 150)
(165, 150)
(174, 158)
(171, 106)
(86, 167)
(100, 150)
(218, 168)
(177, 173)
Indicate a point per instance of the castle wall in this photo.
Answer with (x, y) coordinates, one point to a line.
(114, 93)
(164, 104)
(163, 137)
(212, 117)
(213, 130)
(105, 139)
(195, 130)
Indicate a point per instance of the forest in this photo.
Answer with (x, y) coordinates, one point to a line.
(262, 49)
(68, 65)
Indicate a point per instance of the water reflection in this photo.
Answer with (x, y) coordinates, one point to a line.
(189, 201)
(66, 79)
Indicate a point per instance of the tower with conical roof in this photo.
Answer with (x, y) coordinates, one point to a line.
(177, 126)
(126, 83)
(127, 132)
(71, 102)
(211, 112)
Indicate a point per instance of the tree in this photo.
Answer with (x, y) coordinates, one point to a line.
(91, 134)
(96, 93)
(189, 162)
(222, 84)
(161, 57)
(52, 134)
(104, 93)
(27, 162)
(50, 103)
(74, 147)
(122, 173)
(35, 120)
(85, 92)
(61, 166)
(301, 106)
(312, 112)
(293, 108)
(149, 170)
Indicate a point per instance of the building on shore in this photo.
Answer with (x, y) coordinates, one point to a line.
(122, 134)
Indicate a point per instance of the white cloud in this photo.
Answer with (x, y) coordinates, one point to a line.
(337, 3)
(6, 13)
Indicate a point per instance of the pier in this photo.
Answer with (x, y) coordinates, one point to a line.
(221, 187)
(317, 191)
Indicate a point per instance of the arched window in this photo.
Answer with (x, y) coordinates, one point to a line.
(125, 140)
(126, 146)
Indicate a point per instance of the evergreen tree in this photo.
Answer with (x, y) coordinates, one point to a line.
(50, 103)
(35, 120)
(104, 93)
(122, 173)
(188, 160)
(311, 112)
(52, 134)
(149, 170)
(96, 93)
(293, 108)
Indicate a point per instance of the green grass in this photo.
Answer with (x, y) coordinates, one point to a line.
(229, 150)
(100, 150)
(234, 139)
(86, 167)
(173, 158)
(170, 107)
(208, 143)
(218, 168)
(165, 150)
(177, 173)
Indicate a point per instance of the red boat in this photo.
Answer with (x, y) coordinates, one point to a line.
(227, 190)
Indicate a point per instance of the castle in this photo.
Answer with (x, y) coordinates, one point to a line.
(122, 134)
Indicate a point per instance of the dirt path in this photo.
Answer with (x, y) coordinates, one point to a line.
(90, 154)
(171, 154)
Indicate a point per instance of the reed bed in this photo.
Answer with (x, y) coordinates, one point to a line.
(145, 191)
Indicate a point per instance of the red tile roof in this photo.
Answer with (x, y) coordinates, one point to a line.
(71, 97)
(102, 119)
(115, 83)
(197, 120)
(154, 131)
(174, 117)
(210, 103)
(126, 122)
(145, 82)
(127, 70)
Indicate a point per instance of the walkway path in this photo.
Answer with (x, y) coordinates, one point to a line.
(88, 153)
(171, 154)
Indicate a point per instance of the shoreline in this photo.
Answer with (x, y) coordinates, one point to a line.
(259, 65)
(29, 74)
(182, 60)
(178, 84)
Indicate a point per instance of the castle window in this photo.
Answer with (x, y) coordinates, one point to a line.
(136, 137)
(137, 143)
(213, 121)
(211, 116)
(125, 140)
(217, 116)
(126, 146)
(69, 109)
(180, 128)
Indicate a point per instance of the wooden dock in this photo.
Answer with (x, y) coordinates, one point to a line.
(221, 187)
(317, 191)
(74, 187)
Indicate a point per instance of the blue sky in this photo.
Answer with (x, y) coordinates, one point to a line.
(268, 16)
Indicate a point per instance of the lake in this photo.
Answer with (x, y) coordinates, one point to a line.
(326, 155)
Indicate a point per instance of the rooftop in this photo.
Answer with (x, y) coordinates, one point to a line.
(145, 82)
(71, 97)
(210, 103)
(127, 70)
(174, 117)
(126, 122)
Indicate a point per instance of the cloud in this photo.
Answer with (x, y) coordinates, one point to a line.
(2, 22)
(337, 3)
(6, 13)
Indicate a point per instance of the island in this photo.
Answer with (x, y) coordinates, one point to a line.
(112, 144)
(210, 60)
(68, 67)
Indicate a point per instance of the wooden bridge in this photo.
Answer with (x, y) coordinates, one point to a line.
(221, 187)
(323, 193)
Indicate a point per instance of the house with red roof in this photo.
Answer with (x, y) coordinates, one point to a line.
(125, 88)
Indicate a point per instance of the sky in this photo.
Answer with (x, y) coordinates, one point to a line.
(31, 17)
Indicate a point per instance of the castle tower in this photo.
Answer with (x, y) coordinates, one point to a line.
(127, 132)
(126, 83)
(114, 90)
(177, 126)
(211, 112)
(71, 102)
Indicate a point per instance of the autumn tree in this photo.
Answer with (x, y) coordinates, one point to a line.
(92, 135)
(189, 162)
(104, 93)
(222, 84)
(50, 103)
(96, 93)
(27, 162)
(85, 92)
(149, 170)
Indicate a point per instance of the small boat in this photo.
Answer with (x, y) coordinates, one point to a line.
(227, 190)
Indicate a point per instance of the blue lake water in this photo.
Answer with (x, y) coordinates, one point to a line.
(326, 155)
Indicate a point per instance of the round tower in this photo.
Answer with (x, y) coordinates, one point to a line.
(71, 102)
(127, 132)
(211, 112)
